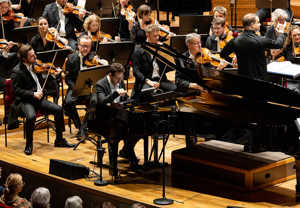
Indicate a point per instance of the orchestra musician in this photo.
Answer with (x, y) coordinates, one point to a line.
(292, 49)
(219, 37)
(221, 12)
(110, 114)
(148, 71)
(250, 48)
(8, 19)
(30, 98)
(65, 23)
(74, 63)
(190, 79)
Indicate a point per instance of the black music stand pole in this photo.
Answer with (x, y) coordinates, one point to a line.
(163, 200)
(100, 153)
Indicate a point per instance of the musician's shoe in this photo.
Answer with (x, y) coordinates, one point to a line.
(62, 143)
(28, 149)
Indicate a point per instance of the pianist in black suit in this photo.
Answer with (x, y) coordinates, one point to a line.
(250, 48)
(30, 98)
(110, 115)
(148, 71)
(66, 23)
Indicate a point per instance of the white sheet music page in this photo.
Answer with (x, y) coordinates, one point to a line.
(285, 68)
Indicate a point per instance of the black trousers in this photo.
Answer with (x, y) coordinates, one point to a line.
(45, 106)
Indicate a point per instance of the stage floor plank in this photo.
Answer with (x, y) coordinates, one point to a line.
(142, 187)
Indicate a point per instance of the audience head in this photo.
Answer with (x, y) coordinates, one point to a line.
(92, 23)
(84, 44)
(152, 33)
(137, 205)
(40, 198)
(251, 22)
(220, 11)
(73, 202)
(193, 42)
(108, 204)
(13, 186)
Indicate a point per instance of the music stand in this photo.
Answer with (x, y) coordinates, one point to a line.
(106, 8)
(110, 25)
(86, 85)
(47, 56)
(194, 23)
(23, 34)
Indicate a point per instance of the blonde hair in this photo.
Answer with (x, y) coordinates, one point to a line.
(11, 186)
(144, 9)
(89, 20)
(152, 28)
(220, 9)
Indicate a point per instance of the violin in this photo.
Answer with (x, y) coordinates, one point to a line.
(4, 43)
(40, 67)
(16, 17)
(206, 57)
(128, 13)
(52, 36)
(95, 61)
(100, 36)
(70, 8)
(296, 51)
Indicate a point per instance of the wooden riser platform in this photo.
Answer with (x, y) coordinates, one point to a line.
(142, 187)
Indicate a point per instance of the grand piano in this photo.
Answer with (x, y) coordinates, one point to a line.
(266, 110)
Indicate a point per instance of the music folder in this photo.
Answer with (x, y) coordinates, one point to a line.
(285, 68)
(87, 79)
(47, 56)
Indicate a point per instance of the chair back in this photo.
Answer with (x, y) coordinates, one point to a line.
(9, 96)
(4, 206)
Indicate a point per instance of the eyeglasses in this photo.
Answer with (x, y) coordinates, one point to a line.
(84, 46)
(196, 43)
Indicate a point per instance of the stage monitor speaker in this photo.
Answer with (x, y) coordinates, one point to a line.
(67, 169)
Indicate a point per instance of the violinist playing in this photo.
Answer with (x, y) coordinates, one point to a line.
(74, 63)
(65, 23)
(127, 17)
(191, 79)
(10, 21)
(92, 26)
(27, 86)
(138, 33)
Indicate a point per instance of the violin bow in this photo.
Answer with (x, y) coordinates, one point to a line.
(2, 25)
(52, 64)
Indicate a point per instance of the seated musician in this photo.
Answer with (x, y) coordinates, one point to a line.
(190, 77)
(148, 71)
(9, 22)
(24, 6)
(126, 14)
(92, 27)
(30, 98)
(219, 38)
(250, 48)
(221, 12)
(74, 63)
(65, 23)
(110, 92)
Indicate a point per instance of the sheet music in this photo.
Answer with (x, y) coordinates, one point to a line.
(285, 68)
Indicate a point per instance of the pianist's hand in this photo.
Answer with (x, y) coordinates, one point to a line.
(121, 92)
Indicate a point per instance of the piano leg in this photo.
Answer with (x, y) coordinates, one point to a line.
(146, 153)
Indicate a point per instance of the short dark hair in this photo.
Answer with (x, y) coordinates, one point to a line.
(249, 19)
(144, 9)
(218, 21)
(23, 51)
(116, 67)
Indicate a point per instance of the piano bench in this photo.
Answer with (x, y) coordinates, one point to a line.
(228, 164)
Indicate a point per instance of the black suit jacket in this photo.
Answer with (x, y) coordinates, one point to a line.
(72, 69)
(51, 14)
(250, 51)
(104, 94)
(143, 68)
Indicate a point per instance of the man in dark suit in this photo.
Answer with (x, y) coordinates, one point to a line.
(66, 23)
(30, 98)
(75, 62)
(148, 71)
(112, 118)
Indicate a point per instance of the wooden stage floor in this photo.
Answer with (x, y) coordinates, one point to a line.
(142, 187)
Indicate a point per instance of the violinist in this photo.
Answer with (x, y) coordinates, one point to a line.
(250, 48)
(292, 49)
(221, 12)
(75, 62)
(149, 71)
(92, 25)
(29, 98)
(66, 23)
(190, 79)
(127, 17)
(9, 22)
